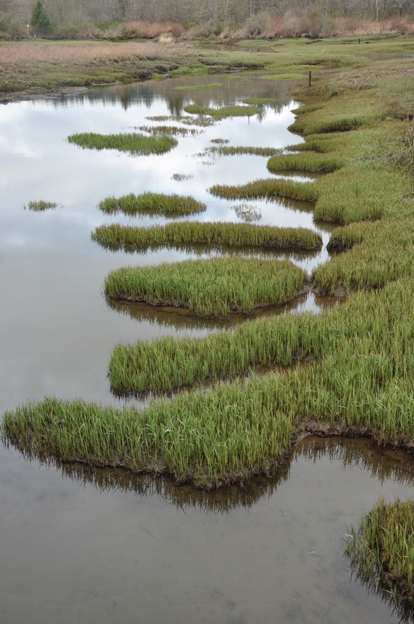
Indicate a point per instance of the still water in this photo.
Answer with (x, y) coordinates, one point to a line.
(79, 546)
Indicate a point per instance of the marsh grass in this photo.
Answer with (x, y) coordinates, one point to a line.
(223, 112)
(181, 177)
(152, 204)
(270, 342)
(258, 101)
(132, 143)
(236, 151)
(268, 189)
(244, 427)
(40, 205)
(209, 287)
(305, 161)
(216, 235)
(381, 549)
(247, 212)
(172, 130)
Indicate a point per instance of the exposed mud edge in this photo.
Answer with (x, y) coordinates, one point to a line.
(155, 466)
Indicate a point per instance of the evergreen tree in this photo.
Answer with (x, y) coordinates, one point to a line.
(40, 20)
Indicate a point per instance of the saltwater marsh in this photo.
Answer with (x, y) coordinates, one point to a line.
(355, 362)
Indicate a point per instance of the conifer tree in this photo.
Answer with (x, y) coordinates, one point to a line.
(40, 20)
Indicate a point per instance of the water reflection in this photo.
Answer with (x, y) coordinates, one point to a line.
(382, 465)
(183, 319)
(148, 93)
(98, 546)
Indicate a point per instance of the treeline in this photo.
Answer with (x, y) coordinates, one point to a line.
(195, 18)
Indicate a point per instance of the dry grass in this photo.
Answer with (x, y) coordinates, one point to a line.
(13, 52)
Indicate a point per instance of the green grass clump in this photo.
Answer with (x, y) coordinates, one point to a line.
(236, 151)
(132, 143)
(381, 549)
(215, 235)
(152, 204)
(330, 338)
(39, 206)
(268, 189)
(224, 111)
(306, 161)
(172, 130)
(258, 101)
(240, 428)
(185, 439)
(209, 287)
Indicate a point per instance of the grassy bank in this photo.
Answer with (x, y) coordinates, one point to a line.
(152, 204)
(241, 428)
(209, 287)
(132, 143)
(215, 235)
(381, 549)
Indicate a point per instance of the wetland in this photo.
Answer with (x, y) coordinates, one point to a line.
(239, 386)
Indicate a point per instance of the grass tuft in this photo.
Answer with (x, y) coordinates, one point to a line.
(39, 206)
(216, 235)
(132, 143)
(209, 287)
(152, 204)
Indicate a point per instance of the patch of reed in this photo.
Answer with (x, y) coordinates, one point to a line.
(305, 161)
(215, 235)
(254, 151)
(258, 101)
(240, 428)
(209, 287)
(172, 130)
(381, 549)
(132, 143)
(224, 111)
(268, 189)
(40, 205)
(152, 204)
(329, 339)
(181, 177)
(247, 213)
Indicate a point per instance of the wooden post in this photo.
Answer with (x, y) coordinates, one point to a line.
(310, 78)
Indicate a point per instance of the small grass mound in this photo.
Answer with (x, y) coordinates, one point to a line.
(258, 101)
(170, 130)
(268, 189)
(152, 204)
(236, 151)
(132, 143)
(305, 161)
(40, 205)
(215, 235)
(381, 550)
(208, 287)
(224, 111)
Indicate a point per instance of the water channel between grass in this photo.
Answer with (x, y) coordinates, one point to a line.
(117, 551)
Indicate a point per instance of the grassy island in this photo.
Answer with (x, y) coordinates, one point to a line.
(152, 204)
(381, 550)
(209, 287)
(215, 235)
(133, 143)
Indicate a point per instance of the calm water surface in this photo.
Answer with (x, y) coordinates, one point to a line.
(99, 547)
